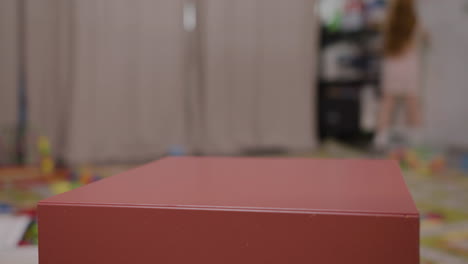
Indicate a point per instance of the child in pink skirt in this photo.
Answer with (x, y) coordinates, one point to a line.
(401, 70)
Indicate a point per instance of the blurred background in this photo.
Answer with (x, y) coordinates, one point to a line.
(90, 88)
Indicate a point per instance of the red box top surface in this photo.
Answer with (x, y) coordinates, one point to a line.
(253, 184)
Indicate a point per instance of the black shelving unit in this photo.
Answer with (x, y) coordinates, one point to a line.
(339, 103)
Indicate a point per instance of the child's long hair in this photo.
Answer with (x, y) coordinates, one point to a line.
(400, 27)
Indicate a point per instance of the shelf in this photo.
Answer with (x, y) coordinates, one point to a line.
(361, 35)
(348, 83)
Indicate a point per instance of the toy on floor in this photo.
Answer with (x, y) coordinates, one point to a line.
(46, 163)
(458, 158)
(74, 180)
(423, 161)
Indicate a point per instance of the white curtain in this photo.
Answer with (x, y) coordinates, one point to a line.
(128, 80)
(49, 54)
(8, 63)
(120, 80)
(8, 79)
(258, 60)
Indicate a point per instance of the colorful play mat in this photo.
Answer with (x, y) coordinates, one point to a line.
(440, 192)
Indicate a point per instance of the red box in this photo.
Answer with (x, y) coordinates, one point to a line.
(236, 210)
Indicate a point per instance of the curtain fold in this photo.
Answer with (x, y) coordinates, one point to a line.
(49, 57)
(8, 78)
(8, 62)
(128, 80)
(258, 74)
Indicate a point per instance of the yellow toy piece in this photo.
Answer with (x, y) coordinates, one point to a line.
(43, 145)
(61, 187)
(47, 165)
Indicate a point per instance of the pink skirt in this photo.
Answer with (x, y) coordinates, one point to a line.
(401, 75)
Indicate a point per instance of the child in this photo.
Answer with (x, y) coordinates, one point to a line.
(401, 70)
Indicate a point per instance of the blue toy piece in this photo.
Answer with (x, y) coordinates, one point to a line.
(464, 163)
(176, 150)
(5, 208)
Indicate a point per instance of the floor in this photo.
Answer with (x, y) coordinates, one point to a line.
(441, 197)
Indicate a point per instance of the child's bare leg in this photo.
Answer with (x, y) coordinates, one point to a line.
(413, 110)
(414, 121)
(385, 114)
(386, 109)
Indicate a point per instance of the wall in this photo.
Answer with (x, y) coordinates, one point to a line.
(446, 75)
